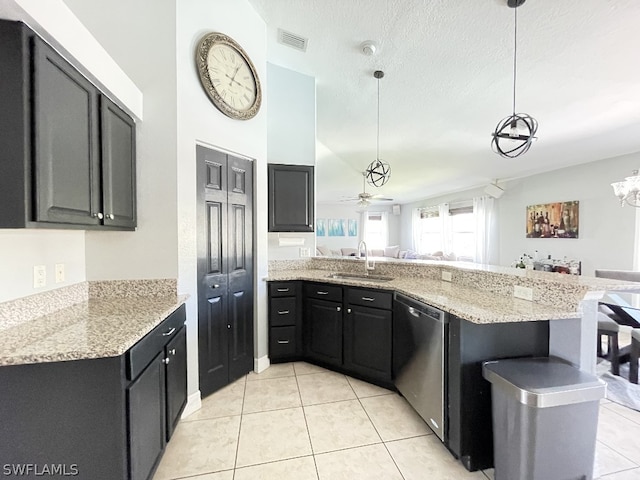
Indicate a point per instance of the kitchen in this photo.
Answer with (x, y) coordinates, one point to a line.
(166, 96)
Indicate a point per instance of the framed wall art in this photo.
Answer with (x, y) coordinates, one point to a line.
(553, 220)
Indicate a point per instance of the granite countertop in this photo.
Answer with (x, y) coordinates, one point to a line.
(96, 328)
(474, 305)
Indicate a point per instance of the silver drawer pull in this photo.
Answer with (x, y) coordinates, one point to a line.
(338, 309)
(319, 292)
(369, 299)
(283, 289)
(170, 332)
(215, 285)
(283, 342)
(283, 312)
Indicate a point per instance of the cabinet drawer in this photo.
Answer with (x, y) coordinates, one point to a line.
(283, 289)
(141, 354)
(323, 291)
(282, 342)
(282, 312)
(369, 298)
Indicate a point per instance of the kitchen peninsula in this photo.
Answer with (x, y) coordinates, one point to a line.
(485, 322)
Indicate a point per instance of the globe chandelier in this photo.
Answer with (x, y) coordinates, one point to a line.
(514, 134)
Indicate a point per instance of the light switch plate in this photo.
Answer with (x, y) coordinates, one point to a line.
(524, 293)
(39, 276)
(446, 276)
(59, 272)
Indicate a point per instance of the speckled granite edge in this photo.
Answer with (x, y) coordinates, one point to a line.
(25, 309)
(133, 288)
(16, 312)
(298, 264)
(552, 289)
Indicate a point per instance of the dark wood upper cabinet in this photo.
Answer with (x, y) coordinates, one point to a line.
(68, 151)
(291, 198)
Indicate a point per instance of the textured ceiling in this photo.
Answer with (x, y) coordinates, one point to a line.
(448, 81)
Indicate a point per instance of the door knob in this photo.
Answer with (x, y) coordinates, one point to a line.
(172, 351)
(166, 360)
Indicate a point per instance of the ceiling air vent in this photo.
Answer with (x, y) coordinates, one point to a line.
(292, 40)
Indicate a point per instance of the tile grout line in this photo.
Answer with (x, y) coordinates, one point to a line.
(304, 415)
(376, 429)
(235, 460)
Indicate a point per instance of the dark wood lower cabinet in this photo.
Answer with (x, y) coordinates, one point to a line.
(104, 419)
(323, 331)
(146, 399)
(367, 342)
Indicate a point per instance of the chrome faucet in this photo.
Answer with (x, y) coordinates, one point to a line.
(367, 266)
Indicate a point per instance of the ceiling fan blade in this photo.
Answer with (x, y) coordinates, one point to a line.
(380, 197)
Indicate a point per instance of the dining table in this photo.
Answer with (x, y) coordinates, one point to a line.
(625, 305)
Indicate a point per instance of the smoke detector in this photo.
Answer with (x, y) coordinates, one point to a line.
(368, 48)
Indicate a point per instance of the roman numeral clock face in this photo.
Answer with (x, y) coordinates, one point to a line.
(228, 76)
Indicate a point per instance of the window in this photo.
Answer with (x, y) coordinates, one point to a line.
(445, 229)
(463, 232)
(375, 229)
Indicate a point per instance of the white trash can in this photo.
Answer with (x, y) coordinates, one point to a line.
(545, 419)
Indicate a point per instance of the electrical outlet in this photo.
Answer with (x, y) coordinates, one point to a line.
(59, 272)
(524, 293)
(446, 276)
(305, 252)
(39, 276)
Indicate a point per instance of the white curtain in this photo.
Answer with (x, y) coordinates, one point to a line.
(445, 219)
(416, 230)
(486, 230)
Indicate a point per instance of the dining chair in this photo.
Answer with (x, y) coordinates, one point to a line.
(610, 328)
(634, 355)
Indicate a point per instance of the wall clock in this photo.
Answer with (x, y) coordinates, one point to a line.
(228, 76)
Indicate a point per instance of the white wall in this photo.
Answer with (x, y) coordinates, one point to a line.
(606, 232)
(200, 122)
(20, 250)
(291, 139)
(149, 60)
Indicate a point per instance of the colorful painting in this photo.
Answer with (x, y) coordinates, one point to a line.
(353, 227)
(336, 227)
(553, 220)
(321, 227)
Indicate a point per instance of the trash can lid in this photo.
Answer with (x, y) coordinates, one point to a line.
(544, 381)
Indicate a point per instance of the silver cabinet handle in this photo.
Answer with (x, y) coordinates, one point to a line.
(98, 215)
(110, 216)
(283, 289)
(228, 327)
(348, 310)
(283, 312)
(172, 351)
(368, 299)
(215, 285)
(339, 309)
(166, 360)
(320, 292)
(283, 342)
(170, 332)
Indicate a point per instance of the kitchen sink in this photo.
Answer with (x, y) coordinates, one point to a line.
(360, 276)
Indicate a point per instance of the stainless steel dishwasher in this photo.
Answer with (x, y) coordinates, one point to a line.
(420, 336)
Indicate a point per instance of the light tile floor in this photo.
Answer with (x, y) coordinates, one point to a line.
(299, 421)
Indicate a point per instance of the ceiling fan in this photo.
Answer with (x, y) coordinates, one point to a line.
(364, 198)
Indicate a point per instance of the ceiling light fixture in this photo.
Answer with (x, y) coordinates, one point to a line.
(513, 135)
(628, 191)
(378, 171)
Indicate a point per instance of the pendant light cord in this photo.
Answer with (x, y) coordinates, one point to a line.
(515, 55)
(378, 133)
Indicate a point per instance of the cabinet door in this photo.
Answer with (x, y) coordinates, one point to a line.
(176, 358)
(118, 165)
(323, 325)
(367, 342)
(146, 402)
(291, 198)
(67, 176)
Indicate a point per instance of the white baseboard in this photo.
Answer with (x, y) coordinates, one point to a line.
(261, 364)
(194, 403)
